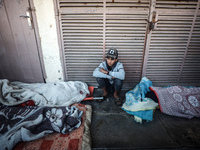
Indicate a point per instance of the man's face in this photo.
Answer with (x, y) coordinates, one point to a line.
(111, 61)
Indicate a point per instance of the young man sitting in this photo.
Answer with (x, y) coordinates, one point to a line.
(110, 75)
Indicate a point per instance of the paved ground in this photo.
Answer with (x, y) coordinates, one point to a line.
(113, 128)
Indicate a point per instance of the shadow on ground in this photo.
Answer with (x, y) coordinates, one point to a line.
(113, 128)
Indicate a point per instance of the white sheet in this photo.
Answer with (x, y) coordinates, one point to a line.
(43, 94)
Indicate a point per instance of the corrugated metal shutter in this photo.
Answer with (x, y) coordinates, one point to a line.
(82, 34)
(172, 54)
(190, 74)
(125, 29)
(169, 56)
(90, 27)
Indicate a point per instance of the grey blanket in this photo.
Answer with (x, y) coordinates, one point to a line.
(43, 94)
(33, 122)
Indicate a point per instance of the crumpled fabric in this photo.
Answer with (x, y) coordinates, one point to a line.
(136, 104)
(43, 94)
(34, 122)
(179, 101)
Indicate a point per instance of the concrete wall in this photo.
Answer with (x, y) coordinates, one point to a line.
(49, 39)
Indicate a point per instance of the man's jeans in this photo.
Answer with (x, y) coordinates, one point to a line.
(116, 86)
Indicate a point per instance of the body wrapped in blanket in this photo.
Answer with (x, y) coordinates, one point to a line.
(43, 94)
(179, 101)
(173, 100)
(33, 122)
(51, 114)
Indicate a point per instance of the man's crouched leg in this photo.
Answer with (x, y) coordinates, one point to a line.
(117, 87)
(103, 85)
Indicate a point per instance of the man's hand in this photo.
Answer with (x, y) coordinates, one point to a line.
(104, 71)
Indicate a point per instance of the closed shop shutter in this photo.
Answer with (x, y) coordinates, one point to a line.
(82, 36)
(90, 27)
(126, 24)
(172, 53)
(190, 74)
(158, 39)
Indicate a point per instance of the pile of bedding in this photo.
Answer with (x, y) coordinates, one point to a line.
(47, 109)
(137, 104)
